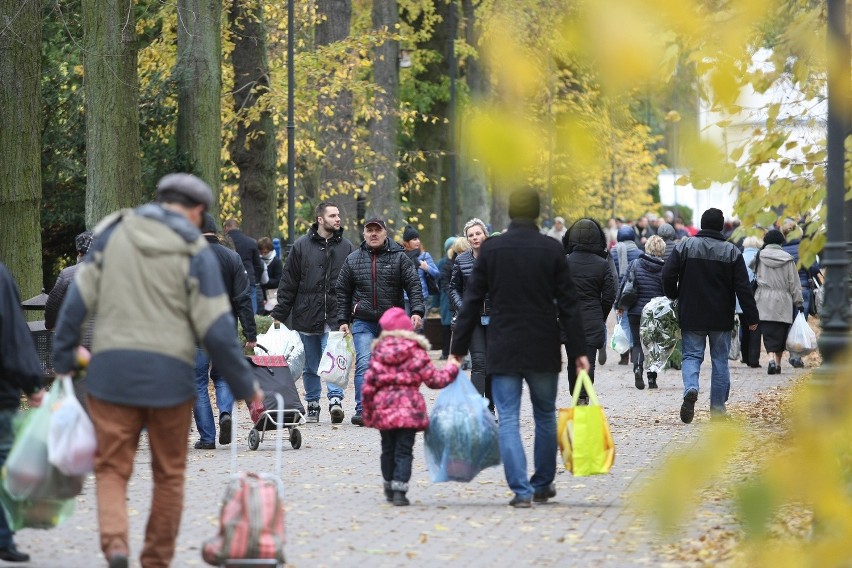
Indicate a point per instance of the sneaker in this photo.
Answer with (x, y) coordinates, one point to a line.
(519, 502)
(335, 408)
(224, 428)
(687, 409)
(357, 420)
(652, 380)
(542, 495)
(583, 401)
(313, 412)
(199, 445)
(602, 355)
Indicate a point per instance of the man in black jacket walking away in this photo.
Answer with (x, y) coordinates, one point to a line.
(308, 290)
(527, 278)
(372, 281)
(246, 247)
(704, 273)
(19, 371)
(237, 289)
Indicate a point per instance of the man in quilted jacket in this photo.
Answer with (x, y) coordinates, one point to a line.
(371, 281)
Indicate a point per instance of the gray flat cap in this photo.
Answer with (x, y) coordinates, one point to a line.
(189, 186)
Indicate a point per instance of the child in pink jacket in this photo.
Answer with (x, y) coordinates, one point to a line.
(391, 398)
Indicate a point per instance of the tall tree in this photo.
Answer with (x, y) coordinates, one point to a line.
(253, 147)
(20, 148)
(113, 173)
(384, 128)
(335, 112)
(199, 77)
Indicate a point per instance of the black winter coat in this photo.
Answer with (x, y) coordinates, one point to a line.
(528, 280)
(595, 283)
(705, 273)
(246, 247)
(236, 285)
(308, 287)
(460, 275)
(647, 279)
(372, 281)
(20, 369)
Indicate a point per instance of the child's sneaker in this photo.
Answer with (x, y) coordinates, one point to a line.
(335, 408)
(313, 412)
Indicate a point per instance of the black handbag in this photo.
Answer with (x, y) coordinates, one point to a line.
(629, 290)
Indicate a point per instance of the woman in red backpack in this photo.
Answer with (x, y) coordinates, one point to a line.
(391, 397)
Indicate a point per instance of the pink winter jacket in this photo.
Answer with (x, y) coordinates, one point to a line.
(391, 395)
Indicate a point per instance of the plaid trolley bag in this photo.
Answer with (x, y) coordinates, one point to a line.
(251, 531)
(273, 375)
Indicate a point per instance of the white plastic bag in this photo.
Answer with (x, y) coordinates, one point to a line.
(734, 351)
(801, 339)
(338, 359)
(283, 341)
(620, 343)
(71, 442)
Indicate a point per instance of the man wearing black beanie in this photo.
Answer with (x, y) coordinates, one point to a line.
(704, 273)
(525, 274)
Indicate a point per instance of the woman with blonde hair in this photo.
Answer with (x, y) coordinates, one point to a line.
(475, 233)
(647, 275)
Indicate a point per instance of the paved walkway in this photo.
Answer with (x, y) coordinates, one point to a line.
(337, 515)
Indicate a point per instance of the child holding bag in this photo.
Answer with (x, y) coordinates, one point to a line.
(391, 397)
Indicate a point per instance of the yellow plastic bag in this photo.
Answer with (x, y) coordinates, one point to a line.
(582, 432)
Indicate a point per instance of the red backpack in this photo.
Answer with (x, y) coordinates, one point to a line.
(251, 521)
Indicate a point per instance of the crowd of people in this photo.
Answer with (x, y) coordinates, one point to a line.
(555, 289)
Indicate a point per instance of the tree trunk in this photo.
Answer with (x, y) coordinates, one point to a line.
(474, 198)
(199, 82)
(433, 138)
(113, 170)
(384, 200)
(20, 143)
(253, 149)
(337, 176)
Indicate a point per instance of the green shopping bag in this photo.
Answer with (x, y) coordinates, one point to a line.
(583, 434)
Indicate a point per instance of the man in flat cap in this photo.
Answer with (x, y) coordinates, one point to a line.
(371, 281)
(156, 288)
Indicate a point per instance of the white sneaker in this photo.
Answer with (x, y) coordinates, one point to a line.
(335, 408)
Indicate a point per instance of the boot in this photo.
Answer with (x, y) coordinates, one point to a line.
(625, 359)
(388, 492)
(652, 380)
(637, 374)
(400, 488)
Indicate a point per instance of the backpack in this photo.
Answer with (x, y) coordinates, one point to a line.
(251, 521)
(629, 290)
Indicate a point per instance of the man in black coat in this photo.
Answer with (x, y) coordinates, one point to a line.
(308, 290)
(705, 273)
(237, 288)
(528, 280)
(20, 370)
(371, 281)
(246, 247)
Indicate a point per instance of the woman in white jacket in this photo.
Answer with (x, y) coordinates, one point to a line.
(778, 289)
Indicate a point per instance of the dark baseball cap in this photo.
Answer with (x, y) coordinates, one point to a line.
(375, 221)
(187, 185)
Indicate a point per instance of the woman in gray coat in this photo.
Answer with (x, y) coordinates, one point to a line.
(778, 289)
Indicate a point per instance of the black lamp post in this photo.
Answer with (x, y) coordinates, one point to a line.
(835, 339)
(291, 129)
(454, 224)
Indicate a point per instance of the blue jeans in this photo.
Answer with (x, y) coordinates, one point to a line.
(314, 351)
(693, 355)
(7, 437)
(203, 410)
(253, 296)
(363, 334)
(506, 390)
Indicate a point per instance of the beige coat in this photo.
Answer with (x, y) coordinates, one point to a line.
(778, 286)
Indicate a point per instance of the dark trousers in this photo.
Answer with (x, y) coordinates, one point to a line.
(749, 343)
(637, 355)
(446, 338)
(478, 377)
(397, 454)
(591, 353)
